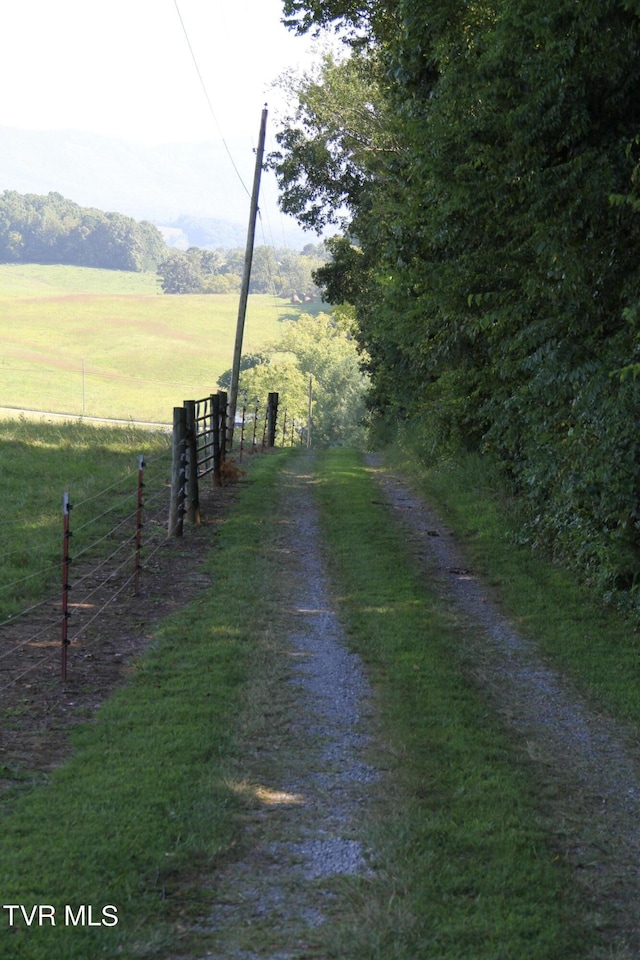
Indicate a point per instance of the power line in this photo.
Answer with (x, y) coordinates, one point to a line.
(208, 98)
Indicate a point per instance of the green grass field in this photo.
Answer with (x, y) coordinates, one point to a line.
(104, 343)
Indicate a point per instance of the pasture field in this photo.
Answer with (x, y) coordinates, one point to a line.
(39, 280)
(101, 343)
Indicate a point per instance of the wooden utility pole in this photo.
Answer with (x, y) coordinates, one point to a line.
(272, 417)
(246, 276)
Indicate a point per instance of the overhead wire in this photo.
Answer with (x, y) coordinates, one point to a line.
(208, 99)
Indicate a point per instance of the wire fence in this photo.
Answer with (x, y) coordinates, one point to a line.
(106, 541)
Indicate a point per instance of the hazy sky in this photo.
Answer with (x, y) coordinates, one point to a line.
(123, 67)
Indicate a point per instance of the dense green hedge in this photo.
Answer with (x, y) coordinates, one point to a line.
(495, 204)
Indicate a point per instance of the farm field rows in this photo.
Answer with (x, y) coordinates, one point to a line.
(102, 343)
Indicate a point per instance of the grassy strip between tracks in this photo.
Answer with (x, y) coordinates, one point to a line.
(143, 804)
(587, 638)
(465, 868)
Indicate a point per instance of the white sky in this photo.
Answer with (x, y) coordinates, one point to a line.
(122, 68)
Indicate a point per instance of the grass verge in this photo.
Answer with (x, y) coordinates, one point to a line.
(592, 642)
(143, 804)
(465, 869)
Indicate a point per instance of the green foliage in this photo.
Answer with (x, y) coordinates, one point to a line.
(332, 141)
(181, 272)
(325, 349)
(342, 279)
(282, 273)
(355, 18)
(322, 348)
(39, 229)
(495, 213)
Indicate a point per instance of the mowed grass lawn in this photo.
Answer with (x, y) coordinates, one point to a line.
(105, 343)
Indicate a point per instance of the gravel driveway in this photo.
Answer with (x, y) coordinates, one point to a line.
(588, 766)
(307, 779)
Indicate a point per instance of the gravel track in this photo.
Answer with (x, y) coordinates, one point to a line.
(588, 766)
(307, 780)
(307, 775)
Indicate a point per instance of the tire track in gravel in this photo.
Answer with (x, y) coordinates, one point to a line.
(305, 776)
(588, 766)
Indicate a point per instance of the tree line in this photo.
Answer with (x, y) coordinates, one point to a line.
(280, 271)
(51, 229)
(482, 163)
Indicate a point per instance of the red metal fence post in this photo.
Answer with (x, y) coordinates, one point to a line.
(255, 427)
(244, 420)
(136, 586)
(66, 534)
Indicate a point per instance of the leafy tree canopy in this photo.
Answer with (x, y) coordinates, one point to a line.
(281, 272)
(322, 348)
(483, 162)
(51, 229)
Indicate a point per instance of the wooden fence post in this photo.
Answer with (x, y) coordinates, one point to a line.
(272, 417)
(192, 493)
(212, 433)
(242, 426)
(215, 428)
(224, 426)
(178, 471)
(255, 428)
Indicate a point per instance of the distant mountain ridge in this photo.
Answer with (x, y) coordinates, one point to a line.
(206, 232)
(163, 183)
